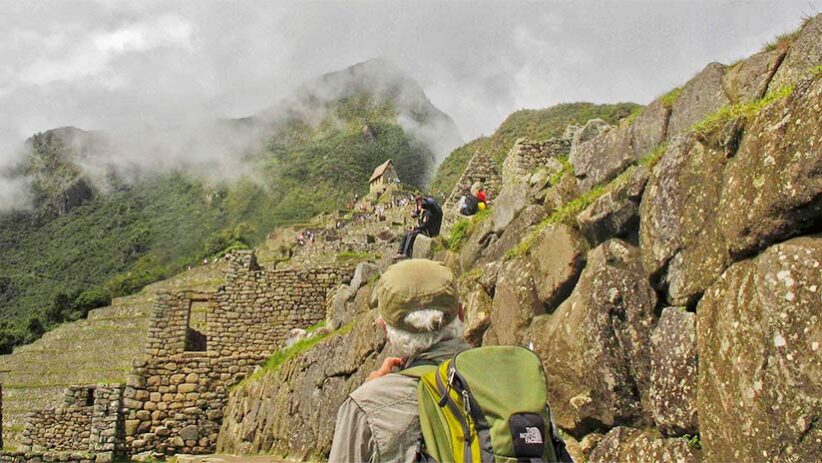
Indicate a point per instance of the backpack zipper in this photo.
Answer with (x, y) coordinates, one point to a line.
(466, 429)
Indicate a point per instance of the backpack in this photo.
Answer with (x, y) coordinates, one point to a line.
(470, 205)
(486, 404)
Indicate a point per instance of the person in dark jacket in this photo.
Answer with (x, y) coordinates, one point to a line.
(429, 216)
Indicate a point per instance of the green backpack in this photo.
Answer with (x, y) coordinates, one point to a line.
(486, 404)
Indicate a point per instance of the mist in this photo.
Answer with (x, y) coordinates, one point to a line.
(158, 76)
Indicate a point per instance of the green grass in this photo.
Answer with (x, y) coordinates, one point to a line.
(783, 41)
(693, 441)
(463, 229)
(746, 111)
(669, 99)
(567, 213)
(350, 256)
(566, 169)
(537, 124)
(273, 364)
(816, 71)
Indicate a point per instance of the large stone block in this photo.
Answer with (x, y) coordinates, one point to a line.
(558, 256)
(803, 54)
(650, 128)
(594, 347)
(748, 80)
(514, 233)
(515, 302)
(362, 274)
(760, 364)
(701, 96)
(511, 200)
(674, 373)
(627, 445)
(616, 213)
(601, 159)
(423, 247)
(478, 306)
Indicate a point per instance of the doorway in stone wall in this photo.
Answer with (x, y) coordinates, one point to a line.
(197, 326)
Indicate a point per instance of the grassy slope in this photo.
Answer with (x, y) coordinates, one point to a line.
(538, 124)
(117, 243)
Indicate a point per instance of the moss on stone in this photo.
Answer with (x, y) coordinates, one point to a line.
(746, 111)
(669, 99)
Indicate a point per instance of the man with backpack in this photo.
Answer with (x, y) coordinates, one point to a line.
(429, 215)
(446, 402)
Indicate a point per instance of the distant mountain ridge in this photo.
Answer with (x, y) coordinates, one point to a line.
(106, 220)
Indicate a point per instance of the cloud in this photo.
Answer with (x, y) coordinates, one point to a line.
(126, 67)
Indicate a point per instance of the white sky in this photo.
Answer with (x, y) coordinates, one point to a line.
(119, 64)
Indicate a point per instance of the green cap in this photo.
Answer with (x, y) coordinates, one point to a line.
(413, 285)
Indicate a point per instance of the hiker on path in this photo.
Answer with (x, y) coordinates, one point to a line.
(422, 320)
(429, 214)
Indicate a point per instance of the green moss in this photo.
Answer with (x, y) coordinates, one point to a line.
(273, 364)
(693, 441)
(652, 158)
(629, 121)
(459, 233)
(346, 256)
(669, 99)
(567, 168)
(816, 71)
(746, 111)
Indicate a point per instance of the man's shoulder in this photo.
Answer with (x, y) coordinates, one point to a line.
(385, 391)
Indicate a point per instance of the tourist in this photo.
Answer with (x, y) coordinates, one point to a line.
(429, 215)
(379, 421)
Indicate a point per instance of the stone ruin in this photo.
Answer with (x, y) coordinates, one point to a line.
(86, 428)
(481, 168)
(198, 346)
(528, 155)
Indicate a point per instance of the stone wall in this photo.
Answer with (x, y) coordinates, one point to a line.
(528, 155)
(175, 398)
(47, 457)
(89, 420)
(482, 168)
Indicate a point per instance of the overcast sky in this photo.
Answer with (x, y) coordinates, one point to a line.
(113, 64)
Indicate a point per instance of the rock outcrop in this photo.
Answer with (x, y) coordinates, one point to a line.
(627, 445)
(303, 394)
(674, 373)
(594, 347)
(760, 364)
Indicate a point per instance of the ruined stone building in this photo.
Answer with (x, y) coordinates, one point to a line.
(385, 174)
(198, 346)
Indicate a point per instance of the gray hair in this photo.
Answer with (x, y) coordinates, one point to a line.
(406, 344)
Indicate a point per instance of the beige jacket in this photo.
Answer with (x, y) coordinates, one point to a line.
(379, 421)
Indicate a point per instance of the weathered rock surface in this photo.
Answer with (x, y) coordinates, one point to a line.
(594, 347)
(476, 244)
(650, 128)
(515, 302)
(602, 158)
(748, 80)
(773, 188)
(362, 274)
(680, 244)
(803, 54)
(588, 132)
(616, 213)
(558, 256)
(423, 247)
(511, 200)
(701, 210)
(702, 95)
(627, 445)
(477, 305)
(760, 364)
(674, 372)
(565, 191)
(304, 394)
(513, 234)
